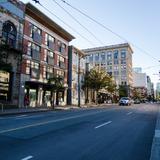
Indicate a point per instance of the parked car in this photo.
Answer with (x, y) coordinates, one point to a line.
(137, 101)
(125, 101)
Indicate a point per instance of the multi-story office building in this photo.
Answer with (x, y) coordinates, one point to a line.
(115, 59)
(76, 72)
(139, 79)
(45, 54)
(11, 30)
(137, 69)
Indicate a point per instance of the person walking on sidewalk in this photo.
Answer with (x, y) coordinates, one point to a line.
(26, 101)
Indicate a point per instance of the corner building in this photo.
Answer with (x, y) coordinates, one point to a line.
(11, 37)
(115, 59)
(45, 53)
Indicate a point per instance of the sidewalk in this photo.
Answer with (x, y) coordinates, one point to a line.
(155, 151)
(45, 109)
(23, 111)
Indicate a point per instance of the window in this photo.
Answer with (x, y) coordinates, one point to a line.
(116, 54)
(123, 53)
(35, 65)
(28, 67)
(103, 56)
(61, 62)
(116, 68)
(116, 61)
(61, 59)
(49, 72)
(97, 57)
(91, 58)
(36, 47)
(123, 61)
(50, 54)
(9, 33)
(109, 62)
(123, 73)
(29, 49)
(33, 50)
(61, 47)
(75, 59)
(34, 29)
(49, 41)
(109, 55)
(60, 73)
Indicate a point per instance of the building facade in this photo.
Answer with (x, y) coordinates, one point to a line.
(115, 59)
(45, 54)
(11, 36)
(76, 72)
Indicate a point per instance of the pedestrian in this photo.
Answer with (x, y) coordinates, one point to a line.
(26, 101)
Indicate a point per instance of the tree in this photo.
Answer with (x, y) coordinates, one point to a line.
(123, 91)
(96, 79)
(56, 83)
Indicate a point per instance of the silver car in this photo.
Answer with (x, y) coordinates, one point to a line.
(125, 101)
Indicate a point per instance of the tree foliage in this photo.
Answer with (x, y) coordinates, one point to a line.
(123, 91)
(96, 79)
(55, 82)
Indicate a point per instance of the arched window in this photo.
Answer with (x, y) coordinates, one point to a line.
(9, 33)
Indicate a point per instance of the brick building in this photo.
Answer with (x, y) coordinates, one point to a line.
(45, 53)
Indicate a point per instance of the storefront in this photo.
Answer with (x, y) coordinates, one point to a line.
(4, 86)
(41, 94)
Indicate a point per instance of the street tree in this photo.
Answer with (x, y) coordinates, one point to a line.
(96, 79)
(56, 83)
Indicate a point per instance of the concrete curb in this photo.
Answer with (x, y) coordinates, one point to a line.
(21, 112)
(155, 151)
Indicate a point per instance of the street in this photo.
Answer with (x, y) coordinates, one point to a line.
(99, 133)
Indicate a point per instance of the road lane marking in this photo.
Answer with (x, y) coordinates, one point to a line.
(20, 116)
(27, 158)
(129, 113)
(103, 124)
(48, 122)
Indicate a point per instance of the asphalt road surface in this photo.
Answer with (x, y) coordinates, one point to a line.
(104, 133)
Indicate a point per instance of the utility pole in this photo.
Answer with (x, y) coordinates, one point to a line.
(79, 86)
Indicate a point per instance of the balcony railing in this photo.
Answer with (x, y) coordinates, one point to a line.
(37, 37)
(35, 54)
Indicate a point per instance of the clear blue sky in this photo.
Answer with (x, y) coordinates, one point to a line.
(138, 21)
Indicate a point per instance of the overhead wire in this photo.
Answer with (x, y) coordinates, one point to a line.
(37, 2)
(108, 29)
(97, 39)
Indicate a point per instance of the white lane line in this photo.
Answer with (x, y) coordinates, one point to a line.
(27, 158)
(103, 124)
(129, 113)
(20, 116)
(48, 122)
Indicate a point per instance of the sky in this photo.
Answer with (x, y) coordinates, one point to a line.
(138, 22)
